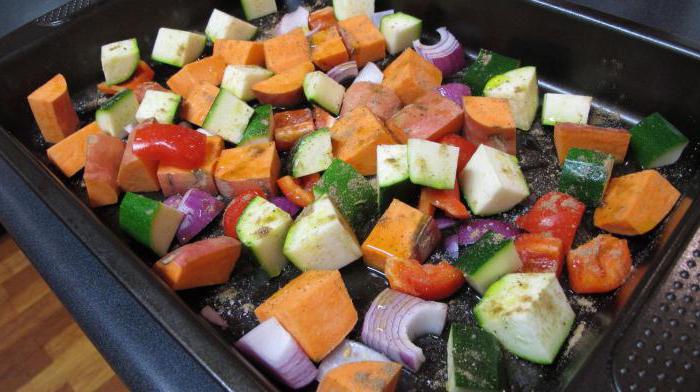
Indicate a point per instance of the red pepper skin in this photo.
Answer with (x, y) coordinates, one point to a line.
(170, 144)
(293, 191)
(309, 181)
(600, 265)
(427, 281)
(540, 253)
(466, 149)
(445, 199)
(556, 214)
(235, 209)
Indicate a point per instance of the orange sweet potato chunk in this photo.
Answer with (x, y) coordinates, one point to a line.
(364, 376)
(174, 180)
(209, 69)
(286, 51)
(292, 125)
(197, 104)
(411, 76)
(362, 38)
(430, 117)
(379, 99)
(328, 49)
(489, 121)
(614, 141)
(136, 174)
(315, 308)
(355, 138)
(250, 167)
(635, 203)
(322, 19)
(284, 89)
(404, 232)
(70, 153)
(104, 154)
(53, 109)
(235, 52)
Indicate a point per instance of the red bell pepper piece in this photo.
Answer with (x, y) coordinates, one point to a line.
(169, 144)
(600, 265)
(466, 149)
(235, 209)
(309, 181)
(293, 191)
(444, 199)
(556, 214)
(540, 253)
(427, 281)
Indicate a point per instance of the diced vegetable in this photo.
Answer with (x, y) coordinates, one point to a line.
(400, 30)
(283, 89)
(492, 182)
(488, 260)
(474, 360)
(379, 15)
(170, 144)
(199, 208)
(143, 74)
(286, 205)
(410, 76)
(261, 126)
(119, 60)
(328, 50)
(159, 105)
(254, 9)
(211, 315)
(292, 189)
(253, 166)
(600, 265)
(447, 54)
(356, 136)
(209, 69)
(239, 79)
(471, 232)
(432, 164)
(540, 252)
(370, 73)
(324, 91)
(175, 180)
(291, 126)
(322, 19)
(286, 51)
(228, 117)
(262, 228)
(447, 200)
(392, 175)
(410, 318)
(149, 222)
(556, 214)
(565, 108)
(466, 149)
(403, 232)
(69, 154)
(201, 263)
(345, 71)
(490, 121)
(117, 112)
(315, 308)
(363, 40)
(224, 26)
(198, 103)
(430, 117)
(635, 203)
(312, 154)
(455, 92)
(345, 9)
(347, 352)
(519, 86)
(177, 47)
(487, 65)
(271, 346)
(656, 142)
(585, 175)
(233, 211)
(141, 90)
(379, 99)
(362, 376)
(427, 281)
(136, 174)
(104, 154)
(236, 52)
(613, 141)
(528, 314)
(299, 18)
(351, 193)
(323, 119)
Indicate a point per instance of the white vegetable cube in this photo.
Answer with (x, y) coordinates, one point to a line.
(177, 47)
(345, 9)
(254, 9)
(528, 313)
(224, 26)
(119, 60)
(492, 181)
(321, 89)
(228, 117)
(117, 112)
(370, 73)
(239, 79)
(159, 105)
(400, 30)
(321, 239)
(432, 164)
(565, 108)
(519, 87)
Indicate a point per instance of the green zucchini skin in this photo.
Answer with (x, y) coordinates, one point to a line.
(487, 65)
(585, 175)
(656, 142)
(474, 360)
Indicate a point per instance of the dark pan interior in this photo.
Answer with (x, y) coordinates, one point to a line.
(570, 55)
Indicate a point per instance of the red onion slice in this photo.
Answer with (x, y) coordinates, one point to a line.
(444, 222)
(200, 208)
(455, 92)
(292, 20)
(286, 205)
(394, 319)
(472, 232)
(213, 317)
(447, 54)
(173, 201)
(451, 246)
(377, 17)
(273, 348)
(370, 73)
(344, 71)
(348, 352)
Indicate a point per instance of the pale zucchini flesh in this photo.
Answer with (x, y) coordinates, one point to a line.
(159, 105)
(119, 60)
(228, 117)
(117, 112)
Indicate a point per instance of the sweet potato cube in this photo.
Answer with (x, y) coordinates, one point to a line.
(209, 69)
(104, 154)
(235, 52)
(286, 51)
(69, 154)
(174, 180)
(411, 76)
(355, 138)
(328, 49)
(364, 376)
(362, 38)
(254, 166)
(322, 19)
(614, 141)
(379, 99)
(489, 121)
(196, 106)
(136, 174)
(290, 126)
(53, 109)
(323, 119)
(315, 308)
(635, 203)
(404, 232)
(430, 117)
(284, 89)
